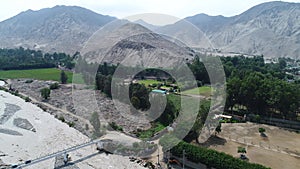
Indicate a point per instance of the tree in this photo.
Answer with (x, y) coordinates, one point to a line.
(97, 125)
(282, 63)
(135, 102)
(63, 77)
(100, 79)
(45, 93)
(107, 85)
(141, 92)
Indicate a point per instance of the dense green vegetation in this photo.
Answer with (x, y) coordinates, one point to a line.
(261, 88)
(39, 74)
(20, 58)
(255, 87)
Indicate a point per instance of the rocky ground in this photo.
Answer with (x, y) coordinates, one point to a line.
(78, 104)
(51, 135)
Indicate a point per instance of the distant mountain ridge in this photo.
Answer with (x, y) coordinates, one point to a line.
(57, 29)
(271, 29)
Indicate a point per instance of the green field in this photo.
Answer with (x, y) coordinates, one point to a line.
(148, 82)
(204, 90)
(39, 74)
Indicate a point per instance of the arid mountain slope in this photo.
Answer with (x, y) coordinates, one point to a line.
(57, 29)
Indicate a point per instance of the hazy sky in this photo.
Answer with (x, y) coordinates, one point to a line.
(123, 8)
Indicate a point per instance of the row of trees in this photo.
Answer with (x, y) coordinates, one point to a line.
(21, 58)
(209, 157)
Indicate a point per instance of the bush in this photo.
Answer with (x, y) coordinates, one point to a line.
(61, 118)
(114, 126)
(27, 99)
(241, 150)
(29, 81)
(261, 130)
(54, 86)
(45, 93)
(71, 124)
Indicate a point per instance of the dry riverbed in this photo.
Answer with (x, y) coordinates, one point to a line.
(40, 134)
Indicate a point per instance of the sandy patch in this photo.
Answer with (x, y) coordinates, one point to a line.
(279, 150)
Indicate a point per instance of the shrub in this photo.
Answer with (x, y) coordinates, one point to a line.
(45, 93)
(54, 86)
(27, 99)
(241, 150)
(115, 126)
(261, 130)
(29, 81)
(61, 118)
(71, 124)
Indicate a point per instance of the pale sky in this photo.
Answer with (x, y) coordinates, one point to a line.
(124, 8)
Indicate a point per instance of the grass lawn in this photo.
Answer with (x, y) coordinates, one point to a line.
(148, 82)
(39, 74)
(204, 90)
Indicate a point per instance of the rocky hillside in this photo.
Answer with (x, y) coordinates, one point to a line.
(271, 29)
(57, 29)
(134, 45)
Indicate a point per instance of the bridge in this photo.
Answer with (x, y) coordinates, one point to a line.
(59, 153)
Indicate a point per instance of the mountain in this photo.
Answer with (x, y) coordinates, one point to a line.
(134, 45)
(208, 23)
(145, 24)
(57, 29)
(271, 29)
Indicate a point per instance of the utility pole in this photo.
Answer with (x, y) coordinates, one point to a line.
(183, 157)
